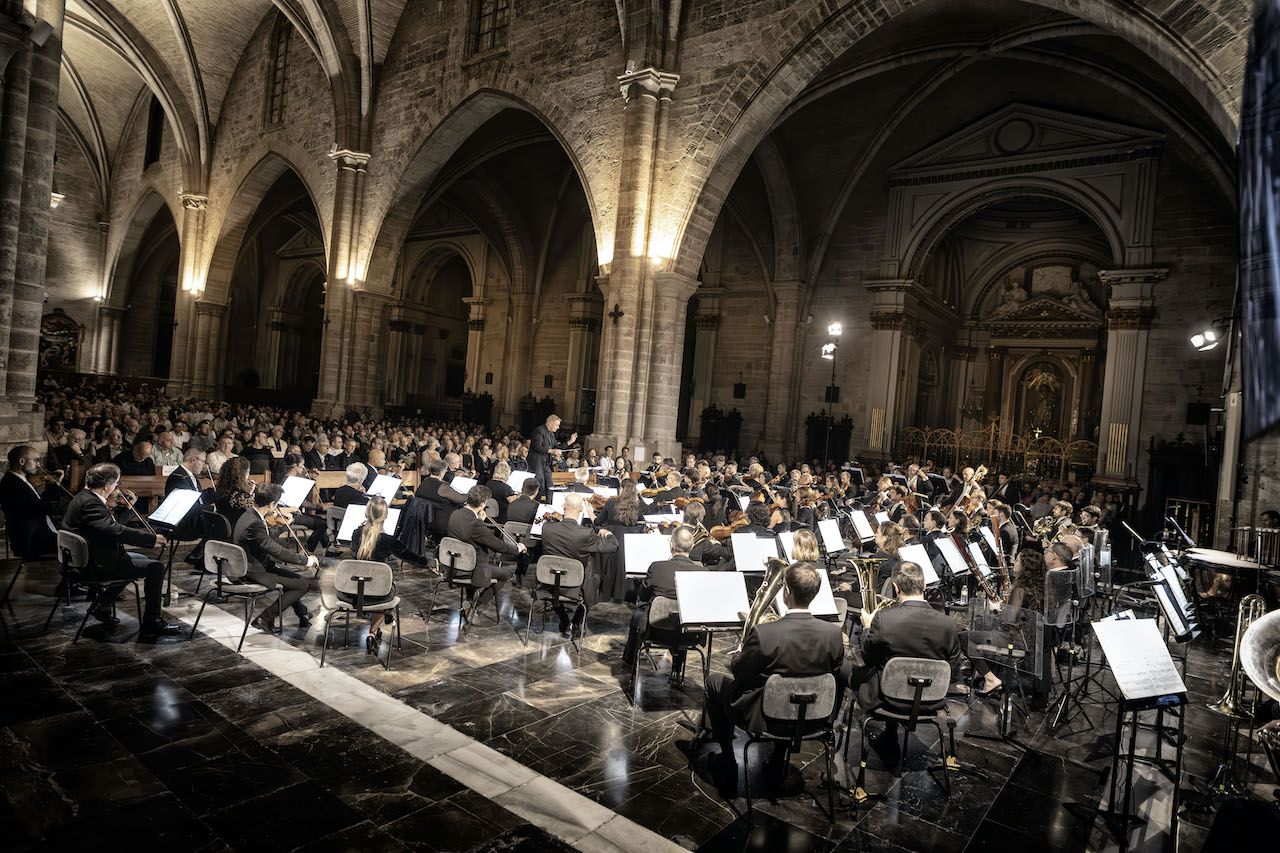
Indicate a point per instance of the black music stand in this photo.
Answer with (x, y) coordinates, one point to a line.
(1012, 639)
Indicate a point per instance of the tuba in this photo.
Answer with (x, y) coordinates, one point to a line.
(865, 568)
(1232, 703)
(762, 605)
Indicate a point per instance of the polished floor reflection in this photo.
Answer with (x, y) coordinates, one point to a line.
(188, 745)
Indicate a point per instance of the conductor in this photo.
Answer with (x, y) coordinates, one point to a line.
(541, 446)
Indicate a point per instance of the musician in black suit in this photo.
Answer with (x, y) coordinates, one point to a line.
(1009, 534)
(672, 491)
(26, 510)
(442, 497)
(525, 507)
(541, 446)
(912, 629)
(758, 518)
(310, 456)
(568, 538)
(468, 525)
(266, 553)
(109, 564)
(353, 491)
(579, 484)
(187, 475)
(795, 645)
(660, 582)
(1006, 490)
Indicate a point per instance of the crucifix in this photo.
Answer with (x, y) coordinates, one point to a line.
(615, 313)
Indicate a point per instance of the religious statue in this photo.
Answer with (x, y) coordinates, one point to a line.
(1011, 296)
(1078, 300)
(1043, 387)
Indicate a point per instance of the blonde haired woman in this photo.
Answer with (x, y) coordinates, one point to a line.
(371, 541)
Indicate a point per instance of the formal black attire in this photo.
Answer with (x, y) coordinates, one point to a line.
(659, 582)
(466, 526)
(522, 510)
(260, 459)
(578, 541)
(311, 459)
(107, 453)
(912, 629)
(795, 645)
(266, 554)
(26, 512)
(541, 444)
(500, 491)
(89, 516)
(444, 501)
(130, 467)
(348, 495)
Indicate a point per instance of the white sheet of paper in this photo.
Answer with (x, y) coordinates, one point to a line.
(711, 598)
(517, 478)
(604, 491)
(823, 604)
(787, 538)
(750, 551)
(1139, 658)
(640, 550)
(989, 537)
(918, 555)
(951, 554)
(829, 530)
(295, 491)
(387, 487)
(1170, 576)
(882, 518)
(166, 470)
(637, 454)
(175, 507)
(979, 559)
(663, 519)
(862, 525)
(462, 485)
(743, 500)
(355, 517)
(1179, 623)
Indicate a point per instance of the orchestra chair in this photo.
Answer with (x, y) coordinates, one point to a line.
(553, 574)
(795, 709)
(230, 564)
(217, 528)
(76, 568)
(519, 531)
(360, 578)
(457, 563)
(18, 550)
(333, 516)
(660, 635)
(919, 684)
(842, 616)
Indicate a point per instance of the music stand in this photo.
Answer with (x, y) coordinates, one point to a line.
(170, 514)
(1012, 639)
(1062, 607)
(710, 602)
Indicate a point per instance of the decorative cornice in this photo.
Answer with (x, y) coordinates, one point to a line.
(1130, 318)
(210, 309)
(883, 321)
(708, 322)
(348, 159)
(1143, 152)
(195, 201)
(581, 324)
(647, 81)
(1149, 275)
(475, 325)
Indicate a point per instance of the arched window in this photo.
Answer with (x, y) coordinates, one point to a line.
(277, 70)
(155, 133)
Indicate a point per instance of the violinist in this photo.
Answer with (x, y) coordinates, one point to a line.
(672, 491)
(27, 510)
(758, 521)
(623, 463)
(502, 493)
(806, 503)
(234, 491)
(319, 535)
(897, 503)
(579, 484)
(353, 491)
(705, 550)
(265, 556)
(109, 564)
(917, 483)
(523, 509)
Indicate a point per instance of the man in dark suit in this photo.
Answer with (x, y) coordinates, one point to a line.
(660, 582)
(353, 491)
(795, 645)
(113, 448)
(468, 525)
(672, 491)
(1009, 534)
(26, 511)
(136, 462)
(442, 497)
(310, 456)
(758, 518)
(579, 484)
(186, 475)
(525, 507)
(568, 538)
(1006, 491)
(89, 517)
(541, 445)
(265, 553)
(912, 629)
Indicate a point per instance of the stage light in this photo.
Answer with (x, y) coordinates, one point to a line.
(829, 350)
(834, 330)
(1206, 340)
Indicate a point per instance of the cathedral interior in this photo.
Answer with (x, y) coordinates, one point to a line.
(842, 233)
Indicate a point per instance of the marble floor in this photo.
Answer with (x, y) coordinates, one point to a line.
(484, 743)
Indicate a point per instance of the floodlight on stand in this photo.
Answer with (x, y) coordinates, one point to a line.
(829, 350)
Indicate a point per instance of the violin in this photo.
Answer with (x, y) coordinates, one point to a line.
(722, 532)
(122, 498)
(597, 502)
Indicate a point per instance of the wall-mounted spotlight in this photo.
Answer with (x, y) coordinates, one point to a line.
(1206, 340)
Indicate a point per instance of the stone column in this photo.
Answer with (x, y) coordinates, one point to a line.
(671, 303)
(397, 329)
(108, 343)
(281, 327)
(1088, 376)
(994, 390)
(336, 349)
(365, 370)
(1129, 316)
(707, 323)
(205, 379)
(190, 286)
(890, 327)
(478, 306)
(584, 325)
(516, 373)
(776, 430)
(13, 138)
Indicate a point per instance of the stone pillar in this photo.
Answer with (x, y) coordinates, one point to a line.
(205, 378)
(1128, 322)
(336, 349)
(707, 323)
(108, 344)
(397, 329)
(665, 359)
(478, 306)
(777, 432)
(281, 329)
(584, 327)
(515, 380)
(1088, 376)
(890, 328)
(993, 395)
(366, 370)
(190, 286)
(13, 138)
(626, 347)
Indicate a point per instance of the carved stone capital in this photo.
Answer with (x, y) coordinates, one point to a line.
(195, 201)
(672, 285)
(1149, 275)
(348, 159)
(475, 324)
(883, 321)
(210, 309)
(708, 322)
(580, 324)
(647, 81)
(1130, 318)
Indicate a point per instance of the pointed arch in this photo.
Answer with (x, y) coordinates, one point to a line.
(144, 213)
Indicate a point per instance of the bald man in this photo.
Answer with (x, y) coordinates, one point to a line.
(569, 538)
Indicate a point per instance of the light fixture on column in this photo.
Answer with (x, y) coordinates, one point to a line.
(833, 393)
(1208, 339)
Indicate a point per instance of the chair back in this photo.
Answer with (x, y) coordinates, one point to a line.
(73, 550)
(230, 559)
(799, 700)
(903, 676)
(379, 573)
(455, 555)
(842, 611)
(333, 519)
(216, 525)
(491, 508)
(518, 530)
(563, 571)
(664, 613)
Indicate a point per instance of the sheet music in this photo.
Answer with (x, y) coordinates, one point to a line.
(604, 491)
(1179, 623)
(516, 481)
(640, 550)
(711, 598)
(918, 555)
(663, 519)
(387, 487)
(295, 491)
(175, 507)
(862, 525)
(989, 536)
(979, 559)
(882, 518)
(1170, 577)
(355, 517)
(1138, 658)
(166, 470)
(951, 554)
(823, 604)
(743, 500)
(751, 551)
(829, 530)
(787, 539)
(462, 485)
